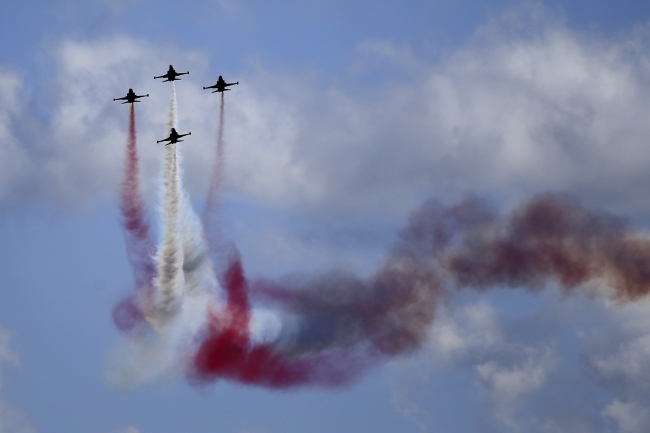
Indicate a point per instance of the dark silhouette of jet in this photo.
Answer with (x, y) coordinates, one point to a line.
(171, 74)
(173, 137)
(130, 97)
(221, 85)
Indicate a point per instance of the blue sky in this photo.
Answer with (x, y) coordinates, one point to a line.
(348, 115)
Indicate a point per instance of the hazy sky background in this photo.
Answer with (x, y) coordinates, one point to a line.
(348, 115)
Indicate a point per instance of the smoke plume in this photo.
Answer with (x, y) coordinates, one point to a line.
(335, 325)
(212, 211)
(139, 243)
(169, 283)
(326, 330)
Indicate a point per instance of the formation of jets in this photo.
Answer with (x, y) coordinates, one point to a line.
(172, 75)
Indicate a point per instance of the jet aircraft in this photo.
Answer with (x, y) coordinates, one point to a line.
(130, 97)
(173, 137)
(221, 85)
(171, 74)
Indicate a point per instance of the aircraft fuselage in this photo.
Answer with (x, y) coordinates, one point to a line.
(130, 97)
(171, 74)
(221, 85)
(173, 137)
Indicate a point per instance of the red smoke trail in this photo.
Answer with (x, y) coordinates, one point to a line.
(346, 324)
(554, 239)
(227, 351)
(139, 244)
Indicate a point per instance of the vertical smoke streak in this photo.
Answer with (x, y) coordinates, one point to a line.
(197, 267)
(139, 244)
(184, 261)
(170, 258)
(212, 211)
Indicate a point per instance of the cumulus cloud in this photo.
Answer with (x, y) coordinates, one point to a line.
(559, 365)
(526, 105)
(14, 159)
(466, 331)
(475, 339)
(511, 113)
(507, 383)
(12, 419)
(619, 354)
(631, 417)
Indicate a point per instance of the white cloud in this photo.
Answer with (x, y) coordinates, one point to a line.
(14, 159)
(631, 417)
(620, 353)
(12, 420)
(521, 108)
(553, 367)
(476, 341)
(130, 429)
(506, 384)
(466, 331)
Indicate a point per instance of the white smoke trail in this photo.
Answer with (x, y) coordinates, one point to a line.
(169, 283)
(197, 267)
(184, 247)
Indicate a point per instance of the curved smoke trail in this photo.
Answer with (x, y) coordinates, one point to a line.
(139, 243)
(336, 325)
